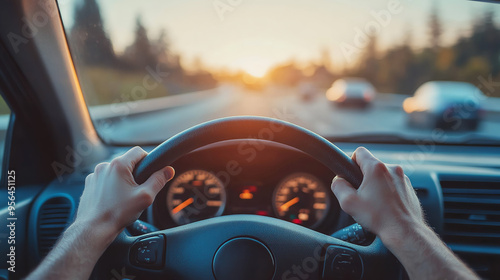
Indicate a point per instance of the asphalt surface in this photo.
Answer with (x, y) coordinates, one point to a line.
(385, 116)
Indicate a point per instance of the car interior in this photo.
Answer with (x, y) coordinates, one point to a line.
(251, 197)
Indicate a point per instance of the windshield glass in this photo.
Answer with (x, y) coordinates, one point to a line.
(347, 70)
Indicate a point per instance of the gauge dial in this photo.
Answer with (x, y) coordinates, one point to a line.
(195, 195)
(302, 199)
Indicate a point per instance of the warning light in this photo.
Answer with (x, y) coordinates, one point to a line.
(297, 221)
(262, 213)
(303, 216)
(197, 183)
(246, 194)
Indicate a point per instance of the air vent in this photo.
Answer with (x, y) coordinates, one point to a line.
(471, 212)
(53, 217)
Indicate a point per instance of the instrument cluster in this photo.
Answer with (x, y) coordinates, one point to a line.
(197, 194)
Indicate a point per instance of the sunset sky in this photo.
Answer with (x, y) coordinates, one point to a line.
(257, 34)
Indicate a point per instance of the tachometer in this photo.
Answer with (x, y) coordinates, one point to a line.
(302, 199)
(195, 195)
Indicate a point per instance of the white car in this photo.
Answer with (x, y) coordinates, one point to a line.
(351, 92)
(445, 104)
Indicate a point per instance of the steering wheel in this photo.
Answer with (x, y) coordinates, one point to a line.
(245, 247)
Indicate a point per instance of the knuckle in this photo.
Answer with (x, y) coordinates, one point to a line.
(360, 149)
(100, 167)
(145, 197)
(335, 183)
(117, 164)
(89, 177)
(398, 170)
(407, 180)
(138, 149)
(380, 168)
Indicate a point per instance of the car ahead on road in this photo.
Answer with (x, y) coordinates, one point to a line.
(355, 92)
(445, 104)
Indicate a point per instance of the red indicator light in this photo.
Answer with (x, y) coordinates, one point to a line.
(262, 213)
(297, 221)
(197, 183)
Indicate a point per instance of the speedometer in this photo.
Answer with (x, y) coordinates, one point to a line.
(195, 195)
(302, 199)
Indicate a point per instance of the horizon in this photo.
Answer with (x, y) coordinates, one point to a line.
(256, 36)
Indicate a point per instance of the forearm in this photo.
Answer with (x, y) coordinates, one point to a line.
(76, 253)
(425, 256)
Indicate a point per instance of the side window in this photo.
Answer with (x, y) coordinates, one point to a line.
(4, 124)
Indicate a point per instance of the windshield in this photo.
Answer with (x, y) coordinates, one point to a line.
(150, 69)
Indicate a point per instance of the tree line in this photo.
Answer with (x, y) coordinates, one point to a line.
(473, 57)
(93, 47)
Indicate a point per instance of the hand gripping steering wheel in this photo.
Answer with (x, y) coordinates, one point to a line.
(244, 247)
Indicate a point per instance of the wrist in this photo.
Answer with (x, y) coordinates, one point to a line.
(98, 235)
(423, 254)
(398, 235)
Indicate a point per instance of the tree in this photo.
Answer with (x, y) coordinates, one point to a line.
(435, 29)
(369, 65)
(485, 39)
(141, 53)
(161, 48)
(88, 36)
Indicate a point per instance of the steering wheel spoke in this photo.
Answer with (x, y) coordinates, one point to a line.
(245, 247)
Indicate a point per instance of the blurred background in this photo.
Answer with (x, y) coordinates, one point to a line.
(344, 69)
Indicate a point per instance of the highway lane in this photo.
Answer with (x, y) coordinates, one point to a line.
(324, 118)
(318, 115)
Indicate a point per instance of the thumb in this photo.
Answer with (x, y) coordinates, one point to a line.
(346, 195)
(157, 181)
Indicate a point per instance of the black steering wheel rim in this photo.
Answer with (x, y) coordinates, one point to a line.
(244, 127)
(245, 247)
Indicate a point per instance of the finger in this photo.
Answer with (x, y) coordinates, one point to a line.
(100, 167)
(157, 181)
(396, 174)
(89, 178)
(408, 182)
(346, 195)
(410, 189)
(132, 157)
(364, 159)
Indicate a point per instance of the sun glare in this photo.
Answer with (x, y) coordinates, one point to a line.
(255, 66)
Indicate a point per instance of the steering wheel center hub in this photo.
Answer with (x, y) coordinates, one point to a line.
(243, 258)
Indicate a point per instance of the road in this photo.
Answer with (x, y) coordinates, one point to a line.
(384, 117)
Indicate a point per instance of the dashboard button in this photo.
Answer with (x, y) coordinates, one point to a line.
(342, 263)
(148, 252)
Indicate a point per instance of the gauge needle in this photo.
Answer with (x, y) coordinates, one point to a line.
(183, 205)
(287, 205)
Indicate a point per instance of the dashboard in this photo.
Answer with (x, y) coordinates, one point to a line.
(248, 177)
(458, 188)
(195, 195)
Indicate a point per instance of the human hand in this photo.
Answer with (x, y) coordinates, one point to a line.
(385, 203)
(112, 199)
